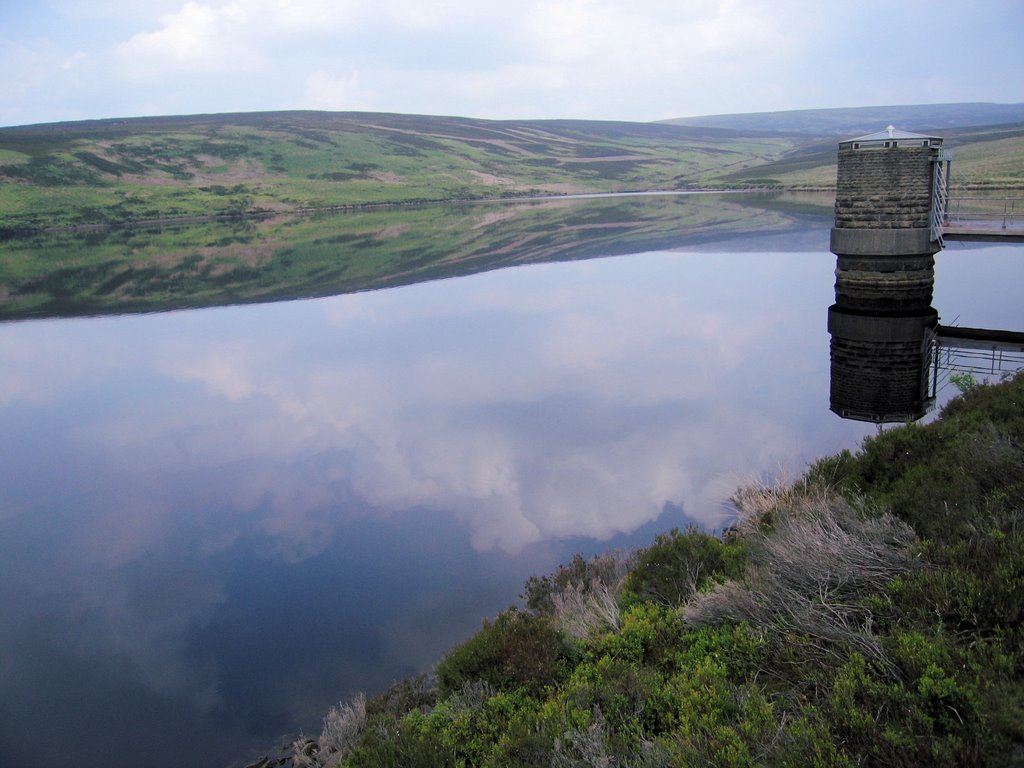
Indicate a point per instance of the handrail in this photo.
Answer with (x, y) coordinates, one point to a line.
(938, 212)
(1009, 215)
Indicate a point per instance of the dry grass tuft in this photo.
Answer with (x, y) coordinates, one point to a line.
(813, 557)
(582, 605)
(582, 610)
(342, 728)
(473, 695)
(586, 747)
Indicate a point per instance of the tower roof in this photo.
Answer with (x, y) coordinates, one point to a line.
(892, 135)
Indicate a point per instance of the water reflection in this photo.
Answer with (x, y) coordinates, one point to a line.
(287, 257)
(881, 327)
(888, 352)
(219, 522)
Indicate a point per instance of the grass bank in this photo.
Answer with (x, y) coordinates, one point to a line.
(870, 614)
(121, 171)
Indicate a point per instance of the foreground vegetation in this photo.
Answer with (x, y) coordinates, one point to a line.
(869, 614)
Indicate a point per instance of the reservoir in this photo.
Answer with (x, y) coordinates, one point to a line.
(235, 493)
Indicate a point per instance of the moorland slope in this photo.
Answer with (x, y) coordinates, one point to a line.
(135, 170)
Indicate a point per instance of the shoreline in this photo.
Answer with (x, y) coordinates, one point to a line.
(11, 233)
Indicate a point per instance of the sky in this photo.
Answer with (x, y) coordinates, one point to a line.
(636, 60)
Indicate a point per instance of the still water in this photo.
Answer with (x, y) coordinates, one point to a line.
(215, 523)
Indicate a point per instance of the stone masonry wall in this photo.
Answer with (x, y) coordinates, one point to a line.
(884, 188)
(885, 284)
(877, 381)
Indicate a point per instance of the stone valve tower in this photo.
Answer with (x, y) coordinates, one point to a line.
(891, 190)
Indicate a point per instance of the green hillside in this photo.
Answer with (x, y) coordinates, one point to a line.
(115, 171)
(126, 171)
(984, 157)
(987, 141)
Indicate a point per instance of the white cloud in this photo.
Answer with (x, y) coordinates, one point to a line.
(323, 90)
(31, 66)
(198, 38)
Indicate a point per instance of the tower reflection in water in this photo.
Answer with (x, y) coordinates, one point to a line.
(889, 353)
(883, 328)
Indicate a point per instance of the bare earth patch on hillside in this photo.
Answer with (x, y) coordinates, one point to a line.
(393, 231)
(387, 177)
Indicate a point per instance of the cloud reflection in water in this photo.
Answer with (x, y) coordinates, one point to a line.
(240, 514)
(610, 391)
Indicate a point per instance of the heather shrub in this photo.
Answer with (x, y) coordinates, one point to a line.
(679, 564)
(413, 693)
(515, 650)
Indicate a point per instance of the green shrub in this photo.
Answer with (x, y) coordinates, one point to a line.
(741, 648)
(516, 650)
(807, 742)
(392, 744)
(413, 693)
(678, 564)
(619, 690)
(941, 714)
(947, 477)
(648, 635)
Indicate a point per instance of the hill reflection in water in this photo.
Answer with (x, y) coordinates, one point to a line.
(284, 258)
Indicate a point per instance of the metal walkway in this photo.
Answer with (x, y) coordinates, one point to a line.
(984, 218)
(978, 351)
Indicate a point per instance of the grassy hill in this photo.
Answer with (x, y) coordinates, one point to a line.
(987, 141)
(110, 171)
(984, 157)
(126, 171)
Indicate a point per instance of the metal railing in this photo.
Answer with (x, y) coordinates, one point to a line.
(987, 362)
(985, 212)
(983, 365)
(940, 196)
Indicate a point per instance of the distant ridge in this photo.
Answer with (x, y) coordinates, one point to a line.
(856, 120)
